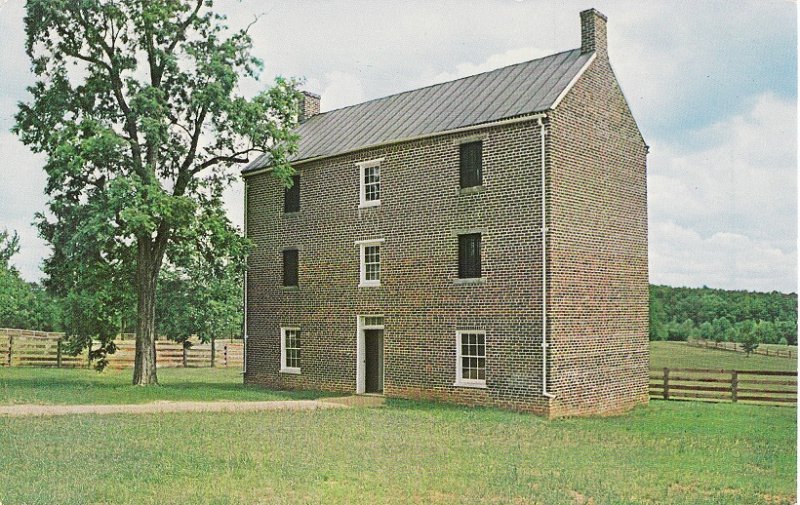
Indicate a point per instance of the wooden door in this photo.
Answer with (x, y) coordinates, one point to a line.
(373, 341)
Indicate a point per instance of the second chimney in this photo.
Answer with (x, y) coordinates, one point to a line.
(593, 32)
(310, 105)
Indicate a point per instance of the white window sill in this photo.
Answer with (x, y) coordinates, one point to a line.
(369, 284)
(293, 371)
(291, 288)
(472, 190)
(476, 385)
(470, 280)
(370, 203)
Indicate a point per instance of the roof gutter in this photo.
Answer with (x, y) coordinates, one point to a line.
(518, 119)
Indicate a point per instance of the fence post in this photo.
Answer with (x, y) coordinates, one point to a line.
(89, 355)
(225, 354)
(184, 355)
(666, 383)
(10, 348)
(734, 385)
(58, 353)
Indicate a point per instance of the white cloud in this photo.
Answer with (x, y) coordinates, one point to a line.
(743, 179)
(693, 62)
(339, 89)
(682, 257)
(21, 196)
(725, 214)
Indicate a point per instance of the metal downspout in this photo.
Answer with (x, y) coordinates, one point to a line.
(544, 230)
(244, 329)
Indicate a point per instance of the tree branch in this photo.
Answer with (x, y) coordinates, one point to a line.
(232, 158)
(117, 88)
(182, 30)
(183, 172)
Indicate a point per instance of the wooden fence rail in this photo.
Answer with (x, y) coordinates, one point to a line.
(735, 347)
(760, 386)
(43, 349)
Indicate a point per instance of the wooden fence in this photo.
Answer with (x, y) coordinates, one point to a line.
(735, 347)
(752, 386)
(47, 349)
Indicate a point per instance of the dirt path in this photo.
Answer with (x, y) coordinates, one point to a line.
(167, 406)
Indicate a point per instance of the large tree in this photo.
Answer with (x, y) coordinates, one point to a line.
(138, 111)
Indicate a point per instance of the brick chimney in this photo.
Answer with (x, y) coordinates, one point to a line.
(593, 32)
(309, 106)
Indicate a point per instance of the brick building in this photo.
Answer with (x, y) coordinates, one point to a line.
(418, 256)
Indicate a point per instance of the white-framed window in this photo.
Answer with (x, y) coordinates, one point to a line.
(290, 349)
(370, 185)
(471, 358)
(369, 252)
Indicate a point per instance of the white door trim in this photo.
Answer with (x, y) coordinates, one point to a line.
(361, 351)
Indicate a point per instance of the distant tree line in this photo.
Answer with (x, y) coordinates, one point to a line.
(724, 316)
(198, 295)
(23, 304)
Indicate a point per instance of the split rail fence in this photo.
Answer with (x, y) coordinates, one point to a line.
(750, 386)
(733, 346)
(47, 349)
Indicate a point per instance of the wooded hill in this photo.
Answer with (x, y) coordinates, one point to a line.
(717, 314)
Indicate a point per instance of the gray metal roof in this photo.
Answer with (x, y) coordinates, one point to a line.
(515, 90)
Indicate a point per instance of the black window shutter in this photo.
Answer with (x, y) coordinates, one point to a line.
(471, 164)
(290, 264)
(291, 196)
(469, 256)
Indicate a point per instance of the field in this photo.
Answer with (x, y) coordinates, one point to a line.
(405, 452)
(680, 355)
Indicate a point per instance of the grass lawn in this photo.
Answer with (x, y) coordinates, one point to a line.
(405, 453)
(81, 386)
(681, 355)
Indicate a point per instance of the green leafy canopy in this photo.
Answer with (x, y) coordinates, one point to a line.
(137, 107)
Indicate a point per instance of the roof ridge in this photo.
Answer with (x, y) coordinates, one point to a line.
(439, 84)
(510, 91)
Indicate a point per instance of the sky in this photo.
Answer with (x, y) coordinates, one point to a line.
(712, 85)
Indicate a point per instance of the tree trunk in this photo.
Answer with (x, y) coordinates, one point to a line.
(147, 267)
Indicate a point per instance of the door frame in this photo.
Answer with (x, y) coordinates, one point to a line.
(361, 351)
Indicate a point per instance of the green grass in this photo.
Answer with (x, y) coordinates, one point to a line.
(681, 355)
(778, 347)
(50, 386)
(405, 453)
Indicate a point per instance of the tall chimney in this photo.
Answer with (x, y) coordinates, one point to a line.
(310, 105)
(593, 32)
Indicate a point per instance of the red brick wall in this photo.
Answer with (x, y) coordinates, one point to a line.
(598, 250)
(420, 215)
